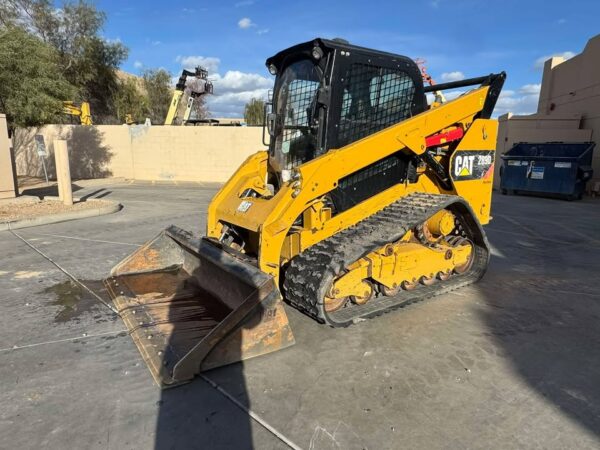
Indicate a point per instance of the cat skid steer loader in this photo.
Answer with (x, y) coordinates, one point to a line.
(367, 200)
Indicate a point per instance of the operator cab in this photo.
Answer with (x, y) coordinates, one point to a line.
(329, 93)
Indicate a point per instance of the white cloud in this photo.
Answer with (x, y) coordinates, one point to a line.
(210, 63)
(236, 81)
(452, 76)
(246, 23)
(231, 104)
(448, 95)
(155, 43)
(539, 63)
(530, 89)
(232, 90)
(263, 31)
(138, 64)
(451, 95)
(521, 102)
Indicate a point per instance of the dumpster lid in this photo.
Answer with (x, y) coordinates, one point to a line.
(572, 150)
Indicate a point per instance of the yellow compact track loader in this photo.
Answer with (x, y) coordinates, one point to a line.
(367, 200)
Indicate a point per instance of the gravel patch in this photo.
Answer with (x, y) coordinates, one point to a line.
(18, 210)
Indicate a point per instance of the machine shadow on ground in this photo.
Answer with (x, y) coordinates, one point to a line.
(191, 415)
(543, 319)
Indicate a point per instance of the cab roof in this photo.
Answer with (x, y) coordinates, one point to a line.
(329, 45)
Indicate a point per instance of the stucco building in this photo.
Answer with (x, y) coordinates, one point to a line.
(568, 108)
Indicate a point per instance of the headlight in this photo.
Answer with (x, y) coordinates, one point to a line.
(272, 69)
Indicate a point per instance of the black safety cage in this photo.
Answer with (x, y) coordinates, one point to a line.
(361, 91)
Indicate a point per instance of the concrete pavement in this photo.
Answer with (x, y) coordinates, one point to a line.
(512, 362)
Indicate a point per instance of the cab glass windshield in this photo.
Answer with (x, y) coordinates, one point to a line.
(295, 103)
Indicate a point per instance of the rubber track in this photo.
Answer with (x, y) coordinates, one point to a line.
(310, 274)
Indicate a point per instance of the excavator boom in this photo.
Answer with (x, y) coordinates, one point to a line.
(199, 87)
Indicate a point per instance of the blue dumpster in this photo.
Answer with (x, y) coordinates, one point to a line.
(554, 169)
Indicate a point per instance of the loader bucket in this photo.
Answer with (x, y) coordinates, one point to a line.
(191, 305)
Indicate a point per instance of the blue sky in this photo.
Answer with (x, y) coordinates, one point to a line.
(456, 37)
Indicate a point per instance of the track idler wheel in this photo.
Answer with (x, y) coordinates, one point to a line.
(443, 276)
(368, 294)
(427, 280)
(404, 286)
(333, 304)
(409, 285)
(467, 265)
(391, 292)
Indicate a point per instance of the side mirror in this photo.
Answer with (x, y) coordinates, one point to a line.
(272, 124)
(268, 122)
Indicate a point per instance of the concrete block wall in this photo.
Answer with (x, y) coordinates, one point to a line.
(144, 153)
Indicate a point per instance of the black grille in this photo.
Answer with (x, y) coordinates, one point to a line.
(371, 180)
(374, 98)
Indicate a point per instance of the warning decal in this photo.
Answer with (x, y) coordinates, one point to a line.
(471, 164)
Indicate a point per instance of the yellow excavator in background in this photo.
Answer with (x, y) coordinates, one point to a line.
(82, 111)
(367, 200)
(200, 86)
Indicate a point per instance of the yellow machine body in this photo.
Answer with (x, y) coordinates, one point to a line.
(398, 245)
(271, 219)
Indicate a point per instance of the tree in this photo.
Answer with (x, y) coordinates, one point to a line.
(8, 14)
(95, 76)
(254, 112)
(88, 61)
(157, 83)
(199, 108)
(129, 100)
(32, 87)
